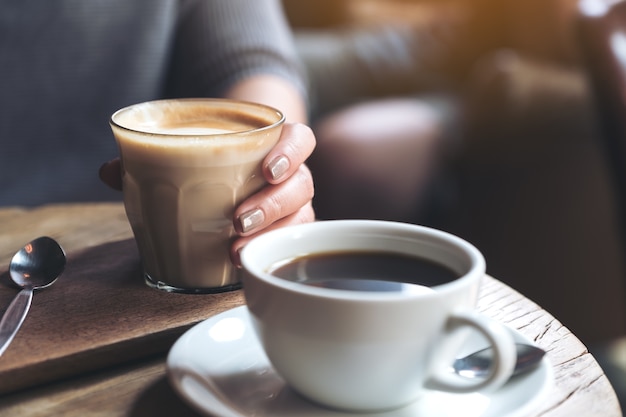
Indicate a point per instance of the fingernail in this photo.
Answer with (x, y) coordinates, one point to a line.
(237, 258)
(278, 166)
(251, 219)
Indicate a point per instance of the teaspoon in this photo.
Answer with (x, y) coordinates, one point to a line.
(478, 363)
(37, 265)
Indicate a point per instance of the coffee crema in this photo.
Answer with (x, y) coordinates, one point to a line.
(371, 271)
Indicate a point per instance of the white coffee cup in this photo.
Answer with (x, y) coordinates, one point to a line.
(362, 350)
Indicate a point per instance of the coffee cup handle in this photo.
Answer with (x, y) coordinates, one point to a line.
(503, 362)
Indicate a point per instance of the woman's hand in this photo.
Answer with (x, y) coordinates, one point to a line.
(111, 174)
(287, 199)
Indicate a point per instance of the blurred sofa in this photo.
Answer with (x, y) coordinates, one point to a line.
(528, 183)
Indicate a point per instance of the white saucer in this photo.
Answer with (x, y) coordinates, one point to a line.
(219, 367)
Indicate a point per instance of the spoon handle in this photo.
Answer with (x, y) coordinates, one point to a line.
(14, 317)
(478, 363)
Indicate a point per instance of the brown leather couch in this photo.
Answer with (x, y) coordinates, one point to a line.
(528, 183)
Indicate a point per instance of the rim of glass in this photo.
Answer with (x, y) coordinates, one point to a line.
(280, 115)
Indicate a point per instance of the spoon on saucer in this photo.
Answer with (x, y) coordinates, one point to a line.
(37, 265)
(476, 365)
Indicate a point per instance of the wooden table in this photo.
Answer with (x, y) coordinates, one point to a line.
(98, 350)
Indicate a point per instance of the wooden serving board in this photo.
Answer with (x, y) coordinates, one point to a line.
(97, 314)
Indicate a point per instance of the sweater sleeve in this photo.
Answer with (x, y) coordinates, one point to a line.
(219, 42)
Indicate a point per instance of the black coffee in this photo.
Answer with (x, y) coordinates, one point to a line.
(365, 271)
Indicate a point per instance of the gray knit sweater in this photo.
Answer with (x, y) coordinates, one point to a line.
(67, 65)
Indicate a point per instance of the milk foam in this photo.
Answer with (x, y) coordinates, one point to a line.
(186, 130)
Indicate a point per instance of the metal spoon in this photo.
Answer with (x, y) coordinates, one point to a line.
(37, 265)
(477, 364)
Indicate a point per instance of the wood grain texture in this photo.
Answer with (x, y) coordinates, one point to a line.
(137, 386)
(99, 312)
(581, 388)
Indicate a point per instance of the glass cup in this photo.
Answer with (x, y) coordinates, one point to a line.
(186, 165)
